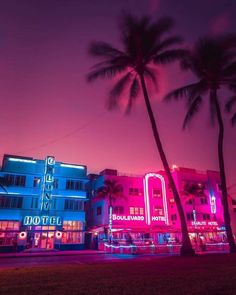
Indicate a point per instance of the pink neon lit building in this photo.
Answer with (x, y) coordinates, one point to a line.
(148, 212)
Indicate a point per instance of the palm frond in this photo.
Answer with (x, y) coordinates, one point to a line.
(151, 74)
(230, 70)
(106, 72)
(134, 91)
(233, 119)
(104, 50)
(230, 103)
(166, 43)
(181, 92)
(169, 56)
(117, 90)
(192, 110)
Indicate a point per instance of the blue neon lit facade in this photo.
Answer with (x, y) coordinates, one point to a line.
(41, 204)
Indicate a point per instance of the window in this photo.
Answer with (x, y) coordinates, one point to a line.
(74, 185)
(135, 191)
(173, 217)
(55, 183)
(190, 216)
(136, 210)
(156, 193)
(8, 229)
(189, 202)
(15, 180)
(118, 210)
(234, 210)
(37, 181)
(34, 203)
(206, 216)
(203, 200)
(99, 210)
(11, 202)
(172, 200)
(72, 232)
(158, 211)
(73, 205)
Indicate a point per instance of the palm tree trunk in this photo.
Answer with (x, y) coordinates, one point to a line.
(225, 204)
(186, 248)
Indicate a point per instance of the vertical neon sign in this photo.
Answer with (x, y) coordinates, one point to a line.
(48, 181)
(213, 204)
(147, 197)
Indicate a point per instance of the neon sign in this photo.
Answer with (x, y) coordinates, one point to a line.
(48, 184)
(147, 199)
(42, 220)
(128, 217)
(213, 204)
(158, 218)
(209, 223)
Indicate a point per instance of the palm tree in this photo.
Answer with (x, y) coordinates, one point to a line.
(113, 191)
(213, 61)
(144, 47)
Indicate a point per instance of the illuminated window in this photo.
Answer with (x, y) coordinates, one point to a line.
(158, 211)
(131, 210)
(8, 232)
(37, 181)
(72, 232)
(172, 200)
(136, 211)
(156, 193)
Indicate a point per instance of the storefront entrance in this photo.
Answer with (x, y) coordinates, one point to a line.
(41, 237)
(43, 240)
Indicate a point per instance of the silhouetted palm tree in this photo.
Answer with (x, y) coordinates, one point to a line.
(113, 191)
(213, 62)
(144, 47)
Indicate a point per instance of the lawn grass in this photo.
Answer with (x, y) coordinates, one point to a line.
(208, 274)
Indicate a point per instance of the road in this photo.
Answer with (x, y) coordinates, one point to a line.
(17, 262)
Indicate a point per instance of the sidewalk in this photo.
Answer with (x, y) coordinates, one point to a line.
(49, 253)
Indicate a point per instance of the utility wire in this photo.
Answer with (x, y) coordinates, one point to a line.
(57, 139)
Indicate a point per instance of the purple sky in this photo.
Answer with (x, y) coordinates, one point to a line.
(47, 108)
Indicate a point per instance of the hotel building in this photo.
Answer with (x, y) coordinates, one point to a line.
(146, 210)
(41, 204)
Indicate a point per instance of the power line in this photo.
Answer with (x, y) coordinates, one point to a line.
(57, 139)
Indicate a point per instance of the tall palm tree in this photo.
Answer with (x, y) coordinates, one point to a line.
(145, 45)
(113, 191)
(213, 61)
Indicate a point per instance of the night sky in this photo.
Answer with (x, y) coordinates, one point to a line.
(47, 107)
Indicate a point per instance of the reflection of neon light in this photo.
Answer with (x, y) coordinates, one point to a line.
(147, 197)
(72, 166)
(21, 160)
